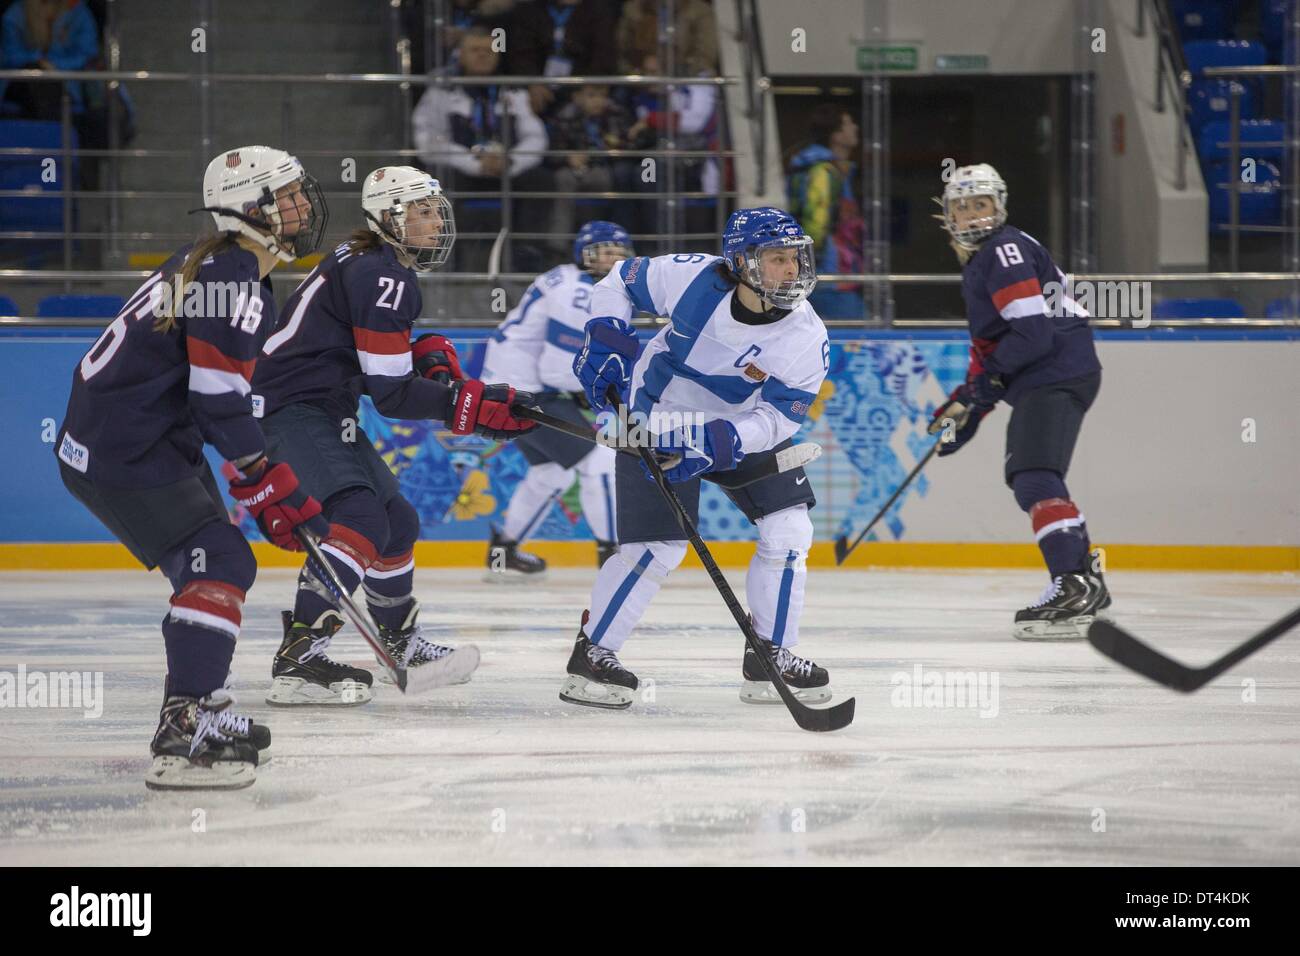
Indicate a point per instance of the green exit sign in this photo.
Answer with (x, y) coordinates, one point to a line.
(898, 58)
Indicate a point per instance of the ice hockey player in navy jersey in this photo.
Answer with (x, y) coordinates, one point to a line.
(725, 383)
(534, 348)
(168, 375)
(1040, 360)
(347, 333)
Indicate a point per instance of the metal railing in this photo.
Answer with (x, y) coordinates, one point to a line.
(1171, 74)
(1236, 185)
(668, 197)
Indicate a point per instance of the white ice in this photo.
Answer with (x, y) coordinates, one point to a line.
(1083, 762)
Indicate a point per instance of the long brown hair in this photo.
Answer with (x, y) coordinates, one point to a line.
(364, 240)
(189, 271)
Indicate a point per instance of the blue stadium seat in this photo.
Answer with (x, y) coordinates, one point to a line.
(1211, 100)
(1198, 309)
(79, 306)
(8, 306)
(1261, 203)
(1285, 308)
(25, 172)
(1206, 53)
(1272, 24)
(1202, 19)
(1211, 144)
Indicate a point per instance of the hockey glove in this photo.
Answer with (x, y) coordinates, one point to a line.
(484, 410)
(280, 506)
(434, 357)
(606, 359)
(715, 447)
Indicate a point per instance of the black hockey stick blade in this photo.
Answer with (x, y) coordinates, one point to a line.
(842, 547)
(1123, 648)
(818, 720)
(796, 456)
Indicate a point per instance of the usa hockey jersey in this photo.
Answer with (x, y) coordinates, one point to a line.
(1012, 332)
(347, 333)
(761, 378)
(533, 348)
(144, 402)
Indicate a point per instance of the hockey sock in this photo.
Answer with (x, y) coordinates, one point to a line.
(778, 572)
(199, 633)
(625, 586)
(532, 499)
(388, 585)
(350, 554)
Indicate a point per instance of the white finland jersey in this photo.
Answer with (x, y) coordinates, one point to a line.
(761, 378)
(533, 348)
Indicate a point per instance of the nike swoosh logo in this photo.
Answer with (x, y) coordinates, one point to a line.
(800, 481)
(1007, 458)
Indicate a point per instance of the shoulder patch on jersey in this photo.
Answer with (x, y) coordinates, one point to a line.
(633, 269)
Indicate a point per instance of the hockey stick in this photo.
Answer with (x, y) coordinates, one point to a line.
(796, 456)
(842, 547)
(408, 681)
(809, 718)
(1123, 648)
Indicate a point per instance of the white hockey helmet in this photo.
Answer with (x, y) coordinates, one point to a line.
(388, 196)
(239, 189)
(965, 182)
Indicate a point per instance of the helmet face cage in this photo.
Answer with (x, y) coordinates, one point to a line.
(785, 295)
(980, 181)
(422, 258)
(310, 230)
(591, 255)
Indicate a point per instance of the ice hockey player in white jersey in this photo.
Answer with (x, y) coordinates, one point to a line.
(738, 366)
(536, 344)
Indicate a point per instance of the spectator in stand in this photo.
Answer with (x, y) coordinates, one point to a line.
(822, 197)
(594, 121)
(46, 35)
(695, 45)
(560, 38)
(476, 135)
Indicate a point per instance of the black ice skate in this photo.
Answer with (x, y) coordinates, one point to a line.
(446, 665)
(301, 674)
(604, 551)
(1098, 581)
(506, 563)
(596, 678)
(201, 745)
(1065, 610)
(810, 683)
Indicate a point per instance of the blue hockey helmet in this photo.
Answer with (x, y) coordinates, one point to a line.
(593, 238)
(748, 232)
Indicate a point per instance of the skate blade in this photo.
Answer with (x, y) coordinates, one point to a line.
(1073, 629)
(177, 773)
(300, 692)
(513, 577)
(762, 692)
(579, 690)
(458, 667)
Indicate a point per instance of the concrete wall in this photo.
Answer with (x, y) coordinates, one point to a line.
(1018, 36)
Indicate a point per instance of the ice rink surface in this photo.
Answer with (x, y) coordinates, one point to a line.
(1066, 759)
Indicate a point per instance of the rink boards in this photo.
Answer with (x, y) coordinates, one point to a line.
(1188, 460)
